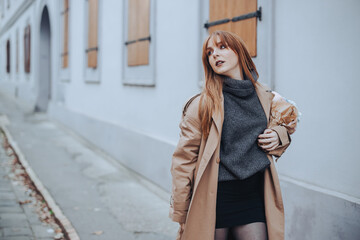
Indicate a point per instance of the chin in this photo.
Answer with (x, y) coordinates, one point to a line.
(223, 73)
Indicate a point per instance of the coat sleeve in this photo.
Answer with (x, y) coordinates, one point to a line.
(285, 141)
(183, 167)
(283, 120)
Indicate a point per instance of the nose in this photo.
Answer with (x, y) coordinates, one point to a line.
(215, 53)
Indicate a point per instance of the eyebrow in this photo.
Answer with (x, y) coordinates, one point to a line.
(216, 44)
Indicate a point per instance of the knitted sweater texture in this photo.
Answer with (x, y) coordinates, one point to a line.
(244, 121)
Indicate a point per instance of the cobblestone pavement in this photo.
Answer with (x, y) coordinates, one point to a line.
(18, 217)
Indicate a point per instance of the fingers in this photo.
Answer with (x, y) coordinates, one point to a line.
(270, 146)
(268, 133)
(268, 130)
(270, 149)
(266, 138)
(269, 140)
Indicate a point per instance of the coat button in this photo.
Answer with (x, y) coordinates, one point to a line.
(218, 160)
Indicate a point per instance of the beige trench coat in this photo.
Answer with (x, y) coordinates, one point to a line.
(194, 168)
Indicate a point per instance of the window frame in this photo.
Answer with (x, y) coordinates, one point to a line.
(142, 75)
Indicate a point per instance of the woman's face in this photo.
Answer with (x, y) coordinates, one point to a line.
(222, 59)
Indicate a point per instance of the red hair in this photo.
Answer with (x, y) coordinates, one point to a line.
(210, 98)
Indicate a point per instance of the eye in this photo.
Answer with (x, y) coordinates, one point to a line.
(209, 52)
(222, 46)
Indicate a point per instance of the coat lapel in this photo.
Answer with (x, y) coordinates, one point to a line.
(265, 96)
(218, 117)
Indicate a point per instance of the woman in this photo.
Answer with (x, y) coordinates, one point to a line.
(224, 179)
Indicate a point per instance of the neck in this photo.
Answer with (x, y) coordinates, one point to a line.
(237, 74)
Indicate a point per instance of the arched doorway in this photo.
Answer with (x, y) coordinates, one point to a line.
(44, 93)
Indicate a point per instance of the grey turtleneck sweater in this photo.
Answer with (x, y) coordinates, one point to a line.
(244, 121)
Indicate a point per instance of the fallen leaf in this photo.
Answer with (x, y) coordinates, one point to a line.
(98, 232)
(24, 202)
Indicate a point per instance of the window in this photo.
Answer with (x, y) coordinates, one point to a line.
(92, 41)
(27, 47)
(17, 51)
(246, 29)
(65, 28)
(92, 49)
(138, 32)
(8, 56)
(139, 43)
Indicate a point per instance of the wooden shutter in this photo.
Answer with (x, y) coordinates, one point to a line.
(65, 51)
(246, 29)
(92, 50)
(138, 28)
(27, 48)
(8, 56)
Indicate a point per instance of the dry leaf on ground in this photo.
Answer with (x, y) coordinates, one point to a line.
(98, 232)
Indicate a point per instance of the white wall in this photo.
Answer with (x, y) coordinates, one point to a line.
(24, 83)
(175, 41)
(317, 57)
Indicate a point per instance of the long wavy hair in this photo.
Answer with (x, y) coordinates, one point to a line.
(211, 95)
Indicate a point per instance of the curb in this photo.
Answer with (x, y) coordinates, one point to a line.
(64, 221)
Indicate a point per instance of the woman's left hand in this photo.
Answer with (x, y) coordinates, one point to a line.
(269, 140)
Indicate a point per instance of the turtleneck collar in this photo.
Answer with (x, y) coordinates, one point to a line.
(239, 88)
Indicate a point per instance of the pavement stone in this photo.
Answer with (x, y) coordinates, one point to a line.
(6, 195)
(8, 203)
(17, 231)
(13, 216)
(13, 222)
(18, 238)
(41, 231)
(11, 209)
(5, 189)
(31, 214)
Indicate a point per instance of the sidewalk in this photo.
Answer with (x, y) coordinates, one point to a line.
(18, 206)
(101, 198)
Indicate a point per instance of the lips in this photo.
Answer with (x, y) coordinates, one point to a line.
(219, 62)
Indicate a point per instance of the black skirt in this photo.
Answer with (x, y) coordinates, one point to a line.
(240, 202)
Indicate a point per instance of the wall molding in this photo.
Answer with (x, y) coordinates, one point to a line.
(320, 189)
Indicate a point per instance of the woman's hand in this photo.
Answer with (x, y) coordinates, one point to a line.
(269, 140)
(182, 227)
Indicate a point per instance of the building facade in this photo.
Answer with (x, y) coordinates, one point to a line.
(119, 72)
